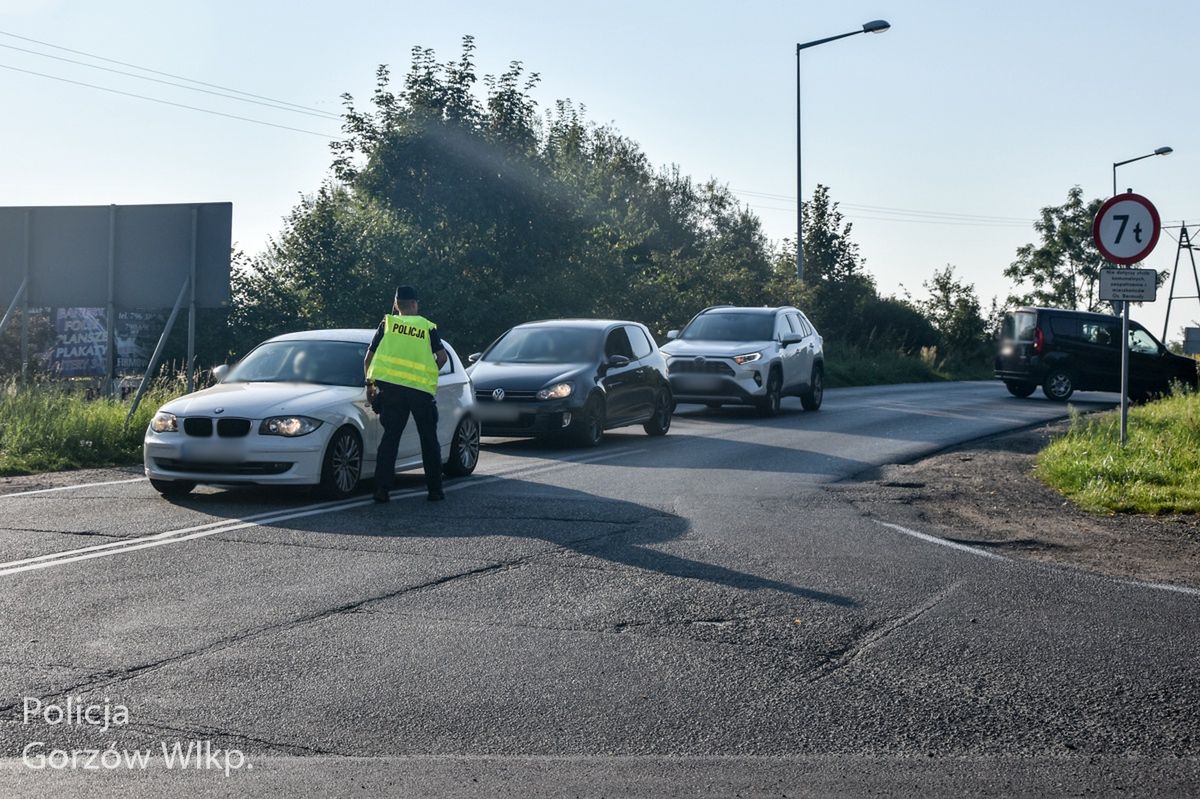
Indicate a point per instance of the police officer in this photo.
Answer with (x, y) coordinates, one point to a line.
(402, 372)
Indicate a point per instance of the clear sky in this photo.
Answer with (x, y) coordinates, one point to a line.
(973, 114)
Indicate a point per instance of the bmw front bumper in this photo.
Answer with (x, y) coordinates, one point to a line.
(265, 460)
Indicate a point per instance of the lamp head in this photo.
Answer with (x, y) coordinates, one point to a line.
(1163, 151)
(876, 26)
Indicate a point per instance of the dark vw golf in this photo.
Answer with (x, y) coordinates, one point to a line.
(572, 378)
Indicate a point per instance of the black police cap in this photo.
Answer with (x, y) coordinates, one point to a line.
(406, 294)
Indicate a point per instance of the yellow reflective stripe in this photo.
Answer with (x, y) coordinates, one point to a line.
(406, 363)
(385, 372)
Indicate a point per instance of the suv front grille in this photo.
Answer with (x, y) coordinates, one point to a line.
(700, 366)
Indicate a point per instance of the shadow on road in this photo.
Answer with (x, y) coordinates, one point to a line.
(618, 531)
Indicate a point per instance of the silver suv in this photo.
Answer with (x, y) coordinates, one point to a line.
(747, 356)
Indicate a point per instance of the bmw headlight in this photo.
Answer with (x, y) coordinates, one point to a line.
(164, 422)
(288, 426)
(556, 391)
(749, 357)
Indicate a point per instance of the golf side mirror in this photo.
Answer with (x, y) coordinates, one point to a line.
(617, 361)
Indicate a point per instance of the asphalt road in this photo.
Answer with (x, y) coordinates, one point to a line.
(689, 615)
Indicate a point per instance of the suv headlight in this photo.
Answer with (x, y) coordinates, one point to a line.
(164, 422)
(288, 426)
(749, 357)
(556, 391)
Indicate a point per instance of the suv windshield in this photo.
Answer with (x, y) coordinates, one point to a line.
(545, 345)
(329, 363)
(731, 326)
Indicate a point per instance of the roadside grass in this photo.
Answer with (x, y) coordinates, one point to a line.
(861, 366)
(1157, 472)
(53, 427)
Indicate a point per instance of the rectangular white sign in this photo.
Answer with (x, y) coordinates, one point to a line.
(1130, 285)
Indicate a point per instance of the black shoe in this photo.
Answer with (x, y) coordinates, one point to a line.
(382, 496)
(436, 496)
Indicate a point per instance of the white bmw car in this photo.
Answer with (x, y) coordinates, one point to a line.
(294, 411)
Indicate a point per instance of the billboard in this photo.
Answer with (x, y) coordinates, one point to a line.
(133, 256)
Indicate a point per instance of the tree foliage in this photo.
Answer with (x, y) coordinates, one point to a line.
(953, 308)
(1062, 270)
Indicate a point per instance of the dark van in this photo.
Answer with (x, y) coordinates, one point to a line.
(1068, 351)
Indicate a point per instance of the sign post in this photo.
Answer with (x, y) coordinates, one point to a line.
(1126, 229)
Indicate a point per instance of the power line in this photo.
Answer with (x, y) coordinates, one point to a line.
(160, 72)
(861, 216)
(319, 114)
(167, 102)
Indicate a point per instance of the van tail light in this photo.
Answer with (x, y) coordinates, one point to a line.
(1039, 341)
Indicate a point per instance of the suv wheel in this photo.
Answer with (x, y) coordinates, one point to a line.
(769, 405)
(1058, 385)
(811, 398)
(1021, 390)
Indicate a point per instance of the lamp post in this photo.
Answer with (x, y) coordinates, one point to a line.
(874, 26)
(1159, 151)
(1124, 310)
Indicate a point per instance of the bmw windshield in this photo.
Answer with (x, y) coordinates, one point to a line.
(327, 363)
(731, 326)
(545, 345)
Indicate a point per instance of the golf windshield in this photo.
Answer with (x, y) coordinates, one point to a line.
(545, 345)
(328, 363)
(733, 326)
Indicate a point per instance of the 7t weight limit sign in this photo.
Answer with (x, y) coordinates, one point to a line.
(1126, 228)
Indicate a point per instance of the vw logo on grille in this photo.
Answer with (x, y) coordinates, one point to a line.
(498, 395)
(699, 361)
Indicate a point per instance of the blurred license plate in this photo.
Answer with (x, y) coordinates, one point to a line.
(700, 383)
(497, 413)
(209, 451)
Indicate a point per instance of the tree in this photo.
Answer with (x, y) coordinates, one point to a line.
(1063, 269)
(953, 308)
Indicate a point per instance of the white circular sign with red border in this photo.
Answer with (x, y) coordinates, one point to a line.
(1126, 228)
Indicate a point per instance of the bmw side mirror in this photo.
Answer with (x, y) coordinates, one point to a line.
(672, 335)
(474, 356)
(219, 372)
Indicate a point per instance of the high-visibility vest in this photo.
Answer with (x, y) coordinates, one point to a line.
(403, 356)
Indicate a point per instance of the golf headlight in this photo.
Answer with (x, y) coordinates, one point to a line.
(749, 357)
(164, 422)
(288, 426)
(556, 391)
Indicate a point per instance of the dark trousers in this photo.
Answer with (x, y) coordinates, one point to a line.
(395, 404)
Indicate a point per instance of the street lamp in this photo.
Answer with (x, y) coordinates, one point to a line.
(874, 26)
(1159, 151)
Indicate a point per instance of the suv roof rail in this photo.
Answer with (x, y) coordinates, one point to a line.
(714, 307)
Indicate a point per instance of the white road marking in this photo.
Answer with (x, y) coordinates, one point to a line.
(70, 487)
(935, 540)
(1178, 589)
(263, 519)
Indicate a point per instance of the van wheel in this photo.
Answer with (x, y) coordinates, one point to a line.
(343, 464)
(811, 398)
(464, 448)
(1021, 390)
(172, 488)
(1058, 385)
